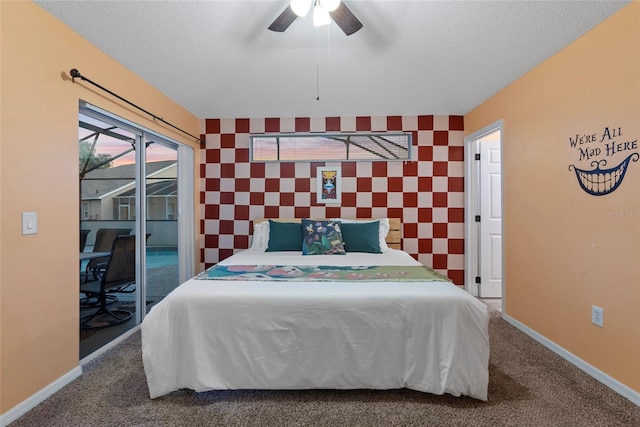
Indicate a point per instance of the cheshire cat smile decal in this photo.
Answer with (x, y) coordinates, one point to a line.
(599, 181)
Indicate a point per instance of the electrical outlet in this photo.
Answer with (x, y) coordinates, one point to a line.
(597, 316)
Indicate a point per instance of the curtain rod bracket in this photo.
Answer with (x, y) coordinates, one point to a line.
(75, 74)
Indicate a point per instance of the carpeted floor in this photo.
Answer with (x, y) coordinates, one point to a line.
(529, 386)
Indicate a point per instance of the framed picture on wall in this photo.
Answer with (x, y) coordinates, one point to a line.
(329, 185)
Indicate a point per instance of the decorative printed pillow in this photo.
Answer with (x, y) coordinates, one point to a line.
(321, 238)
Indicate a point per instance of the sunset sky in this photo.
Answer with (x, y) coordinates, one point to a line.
(114, 146)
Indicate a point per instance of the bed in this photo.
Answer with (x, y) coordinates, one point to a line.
(269, 317)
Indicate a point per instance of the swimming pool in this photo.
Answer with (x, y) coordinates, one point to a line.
(156, 257)
(161, 257)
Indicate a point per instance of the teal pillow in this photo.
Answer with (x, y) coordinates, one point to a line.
(321, 238)
(361, 237)
(284, 236)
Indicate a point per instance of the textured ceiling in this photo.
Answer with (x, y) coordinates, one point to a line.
(217, 58)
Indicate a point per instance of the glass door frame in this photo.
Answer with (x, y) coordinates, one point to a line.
(186, 226)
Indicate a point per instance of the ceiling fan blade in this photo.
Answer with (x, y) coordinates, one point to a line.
(283, 21)
(345, 19)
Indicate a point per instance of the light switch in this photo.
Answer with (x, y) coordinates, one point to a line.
(29, 222)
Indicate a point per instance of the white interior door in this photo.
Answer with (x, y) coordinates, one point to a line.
(490, 229)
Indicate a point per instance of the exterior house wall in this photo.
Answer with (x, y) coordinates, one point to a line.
(94, 209)
(106, 208)
(564, 249)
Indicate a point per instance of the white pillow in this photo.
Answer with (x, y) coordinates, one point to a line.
(383, 228)
(260, 236)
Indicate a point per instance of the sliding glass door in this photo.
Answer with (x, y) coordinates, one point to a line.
(130, 185)
(161, 178)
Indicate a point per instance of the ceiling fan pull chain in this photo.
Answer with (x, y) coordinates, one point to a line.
(328, 50)
(328, 44)
(317, 65)
(317, 83)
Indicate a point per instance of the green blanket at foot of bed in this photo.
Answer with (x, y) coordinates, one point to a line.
(306, 273)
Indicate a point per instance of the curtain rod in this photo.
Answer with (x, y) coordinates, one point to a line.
(75, 74)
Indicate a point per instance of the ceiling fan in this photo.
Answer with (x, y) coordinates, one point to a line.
(323, 12)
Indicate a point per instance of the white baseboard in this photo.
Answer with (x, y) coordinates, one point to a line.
(605, 379)
(22, 408)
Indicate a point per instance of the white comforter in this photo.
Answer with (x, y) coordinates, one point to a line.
(213, 334)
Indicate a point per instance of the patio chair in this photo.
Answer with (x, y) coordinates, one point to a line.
(130, 288)
(104, 240)
(83, 239)
(119, 274)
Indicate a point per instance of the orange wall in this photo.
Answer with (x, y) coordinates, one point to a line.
(566, 250)
(39, 172)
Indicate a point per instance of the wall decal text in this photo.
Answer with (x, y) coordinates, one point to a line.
(595, 148)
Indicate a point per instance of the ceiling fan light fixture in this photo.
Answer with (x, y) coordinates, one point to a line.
(330, 5)
(301, 7)
(320, 15)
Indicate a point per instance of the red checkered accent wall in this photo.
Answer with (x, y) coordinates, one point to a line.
(427, 193)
